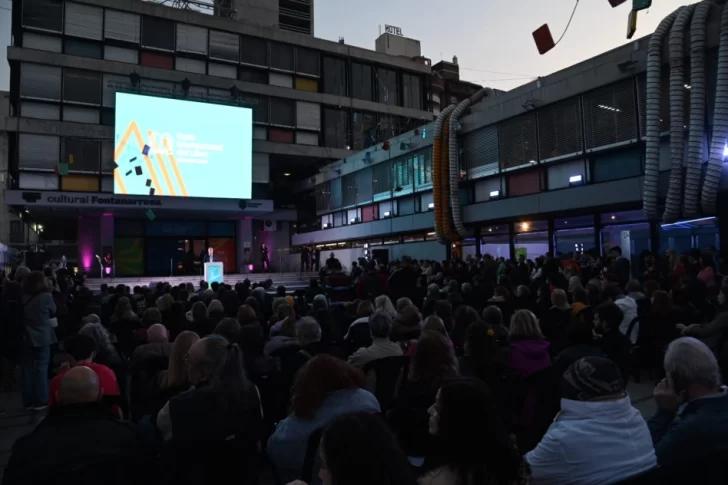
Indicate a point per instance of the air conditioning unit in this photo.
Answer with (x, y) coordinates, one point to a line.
(270, 226)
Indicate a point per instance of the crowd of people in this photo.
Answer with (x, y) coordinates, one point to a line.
(475, 372)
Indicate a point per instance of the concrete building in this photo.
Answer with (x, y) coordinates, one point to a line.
(393, 43)
(554, 166)
(447, 85)
(313, 101)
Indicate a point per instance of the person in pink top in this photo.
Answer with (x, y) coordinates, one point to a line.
(707, 270)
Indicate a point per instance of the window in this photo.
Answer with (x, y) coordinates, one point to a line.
(81, 86)
(402, 173)
(387, 127)
(253, 75)
(113, 53)
(282, 112)
(192, 39)
(39, 152)
(253, 50)
(83, 48)
(190, 65)
(363, 130)
(122, 26)
(84, 21)
(281, 56)
(43, 14)
(81, 114)
(307, 62)
(412, 91)
(336, 130)
(40, 82)
(41, 111)
(387, 86)
(156, 59)
(42, 42)
(361, 82)
(559, 129)
(157, 33)
(86, 154)
(224, 45)
(222, 70)
(335, 80)
(422, 164)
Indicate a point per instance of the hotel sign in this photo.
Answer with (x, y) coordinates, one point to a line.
(391, 29)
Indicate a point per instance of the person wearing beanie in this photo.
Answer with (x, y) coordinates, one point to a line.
(598, 438)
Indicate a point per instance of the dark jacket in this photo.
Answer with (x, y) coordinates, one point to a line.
(79, 444)
(696, 442)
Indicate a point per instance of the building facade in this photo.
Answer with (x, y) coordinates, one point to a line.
(554, 166)
(313, 101)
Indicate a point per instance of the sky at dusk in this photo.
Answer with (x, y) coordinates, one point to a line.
(492, 38)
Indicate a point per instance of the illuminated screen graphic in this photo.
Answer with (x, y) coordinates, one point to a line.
(180, 148)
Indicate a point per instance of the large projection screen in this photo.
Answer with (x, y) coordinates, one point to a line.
(171, 147)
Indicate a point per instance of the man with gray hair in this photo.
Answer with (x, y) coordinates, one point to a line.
(690, 428)
(158, 346)
(380, 325)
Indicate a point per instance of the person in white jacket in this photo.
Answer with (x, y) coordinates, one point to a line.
(628, 305)
(598, 438)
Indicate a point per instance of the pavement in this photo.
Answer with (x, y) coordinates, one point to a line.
(17, 422)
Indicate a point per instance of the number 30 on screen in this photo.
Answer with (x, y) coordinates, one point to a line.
(161, 143)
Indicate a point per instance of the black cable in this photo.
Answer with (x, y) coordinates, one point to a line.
(576, 5)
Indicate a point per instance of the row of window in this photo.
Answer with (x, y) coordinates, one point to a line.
(572, 129)
(402, 206)
(55, 93)
(413, 173)
(397, 177)
(89, 31)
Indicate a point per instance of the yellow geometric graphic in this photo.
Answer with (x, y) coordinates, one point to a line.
(133, 129)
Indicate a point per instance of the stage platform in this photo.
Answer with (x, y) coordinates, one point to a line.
(292, 281)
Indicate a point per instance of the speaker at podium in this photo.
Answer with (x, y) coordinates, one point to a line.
(214, 272)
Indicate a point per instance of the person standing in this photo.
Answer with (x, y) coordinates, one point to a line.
(38, 312)
(264, 257)
(315, 259)
(210, 256)
(305, 263)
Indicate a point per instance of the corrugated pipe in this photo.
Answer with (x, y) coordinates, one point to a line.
(720, 123)
(447, 232)
(436, 168)
(677, 113)
(652, 128)
(694, 162)
(454, 159)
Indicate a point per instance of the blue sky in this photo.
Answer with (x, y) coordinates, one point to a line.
(492, 38)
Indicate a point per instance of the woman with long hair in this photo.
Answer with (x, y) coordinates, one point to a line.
(383, 303)
(175, 377)
(38, 311)
(476, 448)
(359, 449)
(325, 389)
(432, 364)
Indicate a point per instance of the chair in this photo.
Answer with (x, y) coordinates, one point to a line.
(387, 372)
(143, 385)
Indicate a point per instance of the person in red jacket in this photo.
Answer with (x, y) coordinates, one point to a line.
(372, 283)
(81, 350)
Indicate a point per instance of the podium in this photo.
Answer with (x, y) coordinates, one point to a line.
(213, 272)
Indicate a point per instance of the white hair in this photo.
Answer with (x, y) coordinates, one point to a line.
(693, 362)
(383, 303)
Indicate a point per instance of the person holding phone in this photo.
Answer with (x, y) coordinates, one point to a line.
(690, 428)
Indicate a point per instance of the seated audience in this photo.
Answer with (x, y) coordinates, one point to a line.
(81, 350)
(380, 325)
(229, 328)
(579, 344)
(493, 317)
(174, 380)
(325, 389)
(359, 449)
(613, 344)
(690, 428)
(431, 365)
(157, 346)
(79, 441)
(529, 350)
(222, 402)
(285, 337)
(476, 447)
(596, 415)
